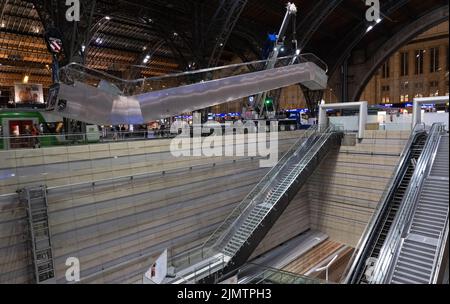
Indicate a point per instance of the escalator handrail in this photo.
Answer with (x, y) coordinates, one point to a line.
(78, 72)
(263, 184)
(202, 250)
(401, 223)
(356, 261)
(309, 155)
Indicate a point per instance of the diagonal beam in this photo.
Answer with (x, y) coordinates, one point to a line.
(315, 19)
(232, 10)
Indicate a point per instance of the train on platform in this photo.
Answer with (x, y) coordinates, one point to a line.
(29, 128)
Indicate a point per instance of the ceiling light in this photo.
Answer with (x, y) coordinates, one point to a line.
(108, 18)
(297, 52)
(3, 24)
(369, 28)
(378, 20)
(26, 78)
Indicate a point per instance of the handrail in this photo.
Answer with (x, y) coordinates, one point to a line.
(264, 182)
(440, 253)
(213, 244)
(275, 271)
(126, 87)
(304, 56)
(355, 260)
(401, 223)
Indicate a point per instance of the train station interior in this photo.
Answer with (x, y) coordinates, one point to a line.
(224, 142)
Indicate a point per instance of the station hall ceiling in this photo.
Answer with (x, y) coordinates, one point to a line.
(176, 35)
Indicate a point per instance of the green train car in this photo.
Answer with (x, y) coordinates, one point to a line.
(16, 126)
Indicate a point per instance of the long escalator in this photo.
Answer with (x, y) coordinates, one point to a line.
(99, 98)
(420, 248)
(230, 246)
(365, 260)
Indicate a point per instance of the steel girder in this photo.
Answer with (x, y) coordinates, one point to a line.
(313, 98)
(311, 23)
(351, 40)
(73, 34)
(226, 17)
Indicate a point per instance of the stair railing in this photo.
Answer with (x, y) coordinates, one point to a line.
(363, 242)
(390, 250)
(302, 163)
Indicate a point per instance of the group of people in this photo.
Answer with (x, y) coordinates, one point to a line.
(33, 133)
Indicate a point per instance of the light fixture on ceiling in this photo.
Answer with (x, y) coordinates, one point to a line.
(146, 59)
(378, 20)
(3, 25)
(369, 28)
(26, 78)
(107, 18)
(297, 52)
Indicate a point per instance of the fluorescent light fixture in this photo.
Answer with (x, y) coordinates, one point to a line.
(369, 28)
(378, 20)
(108, 18)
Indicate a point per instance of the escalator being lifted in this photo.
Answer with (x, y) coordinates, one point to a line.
(375, 236)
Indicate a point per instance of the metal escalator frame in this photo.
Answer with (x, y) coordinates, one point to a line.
(270, 218)
(74, 67)
(262, 185)
(307, 144)
(197, 255)
(401, 223)
(314, 143)
(200, 252)
(396, 177)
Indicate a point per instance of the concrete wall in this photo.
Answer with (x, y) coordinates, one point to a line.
(115, 226)
(340, 197)
(347, 187)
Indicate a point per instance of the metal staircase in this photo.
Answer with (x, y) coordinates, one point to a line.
(376, 233)
(420, 253)
(230, 246)
(35, 200)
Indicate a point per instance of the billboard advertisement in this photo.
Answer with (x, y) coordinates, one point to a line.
(28, 93)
